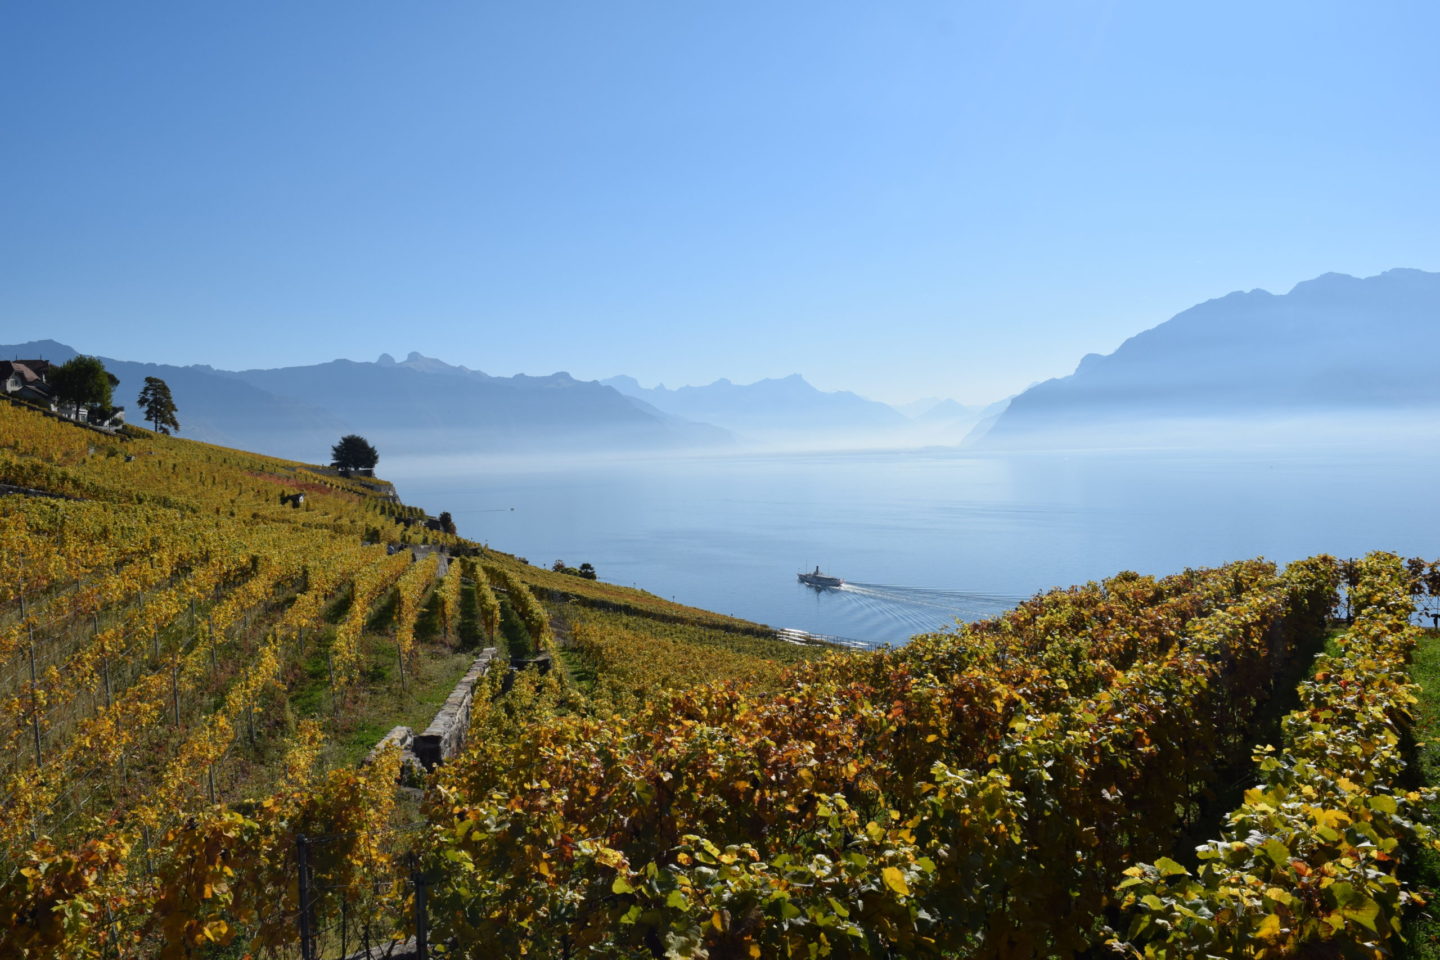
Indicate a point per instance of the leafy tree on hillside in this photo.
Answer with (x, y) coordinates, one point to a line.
(353, 452)
(159, 405)
(84, 380)
(585, 570)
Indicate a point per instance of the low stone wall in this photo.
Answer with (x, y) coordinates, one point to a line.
(446, 733)
(402, 737)
(7, 490)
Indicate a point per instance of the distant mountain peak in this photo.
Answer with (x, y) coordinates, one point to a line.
(42, 350)
(623, 382)
(417, 361)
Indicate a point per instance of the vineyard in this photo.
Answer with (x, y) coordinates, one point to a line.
(1206, 764)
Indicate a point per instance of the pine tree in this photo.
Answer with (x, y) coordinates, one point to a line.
(159, 405)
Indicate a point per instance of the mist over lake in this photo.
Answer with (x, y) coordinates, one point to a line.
(923, 537)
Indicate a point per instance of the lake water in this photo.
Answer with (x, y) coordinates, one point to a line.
(922, 537)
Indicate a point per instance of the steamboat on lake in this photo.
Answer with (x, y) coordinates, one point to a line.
(819, 580)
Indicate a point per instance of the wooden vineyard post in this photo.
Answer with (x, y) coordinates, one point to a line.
(34, 684)
(307, 943)
(302, 863)
(422, 913)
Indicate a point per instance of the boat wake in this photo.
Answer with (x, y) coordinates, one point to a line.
(882, 606)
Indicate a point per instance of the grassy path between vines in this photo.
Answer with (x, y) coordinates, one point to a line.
(1422, 926)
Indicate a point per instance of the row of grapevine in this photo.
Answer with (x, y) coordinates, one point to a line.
(623, 599)
(411, 589)
(1311, 857)
(366, 587)
(531, 613)
(636, 656)
(450, 592)
(488, 606)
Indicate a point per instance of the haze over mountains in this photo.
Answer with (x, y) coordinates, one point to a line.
(420, 405)
(1335, 346)
(767, 408)
(424, 405)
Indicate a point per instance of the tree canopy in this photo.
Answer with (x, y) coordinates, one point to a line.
(353, 452)
(159, 405)
(84, 380)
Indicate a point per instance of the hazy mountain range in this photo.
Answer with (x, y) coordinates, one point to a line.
(1332, 346)
(767, 407)
(422, 405)
(419, 405)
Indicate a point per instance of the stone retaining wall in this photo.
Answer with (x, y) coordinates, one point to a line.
(446, 733)
(400, 736)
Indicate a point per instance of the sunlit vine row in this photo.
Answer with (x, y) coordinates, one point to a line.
(366, 586)
(485, 600)
(531, 613)
(1311, 858)
(633, 656)
(449, 592)
(411, 589)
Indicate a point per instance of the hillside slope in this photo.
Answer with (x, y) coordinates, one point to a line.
(183, 624)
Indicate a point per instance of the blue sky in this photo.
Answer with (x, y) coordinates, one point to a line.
(904, 199)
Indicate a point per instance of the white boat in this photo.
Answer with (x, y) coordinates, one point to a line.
(819, 580)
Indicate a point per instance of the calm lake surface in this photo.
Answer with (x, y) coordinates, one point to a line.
(922, 537)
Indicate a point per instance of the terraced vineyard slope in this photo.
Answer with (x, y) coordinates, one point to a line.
(192, 663)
